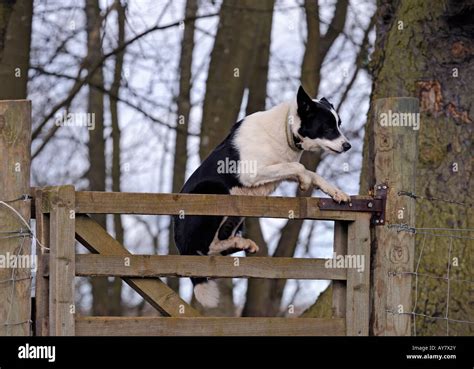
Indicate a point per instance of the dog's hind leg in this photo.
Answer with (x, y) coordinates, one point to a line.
(231, 245)
(229, 227)
(225, 240)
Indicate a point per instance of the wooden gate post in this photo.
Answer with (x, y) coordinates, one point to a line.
(15, 283)
(396, 122)
(61, 203)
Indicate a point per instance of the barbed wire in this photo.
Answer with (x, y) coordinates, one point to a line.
(431, 198)
(15, 234)
(430, 316)
(431, 276)
(14, 280)
(449, 229)
(24, 197)
(401, 227)
(22, 234)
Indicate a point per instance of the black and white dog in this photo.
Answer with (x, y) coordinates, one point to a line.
(270, 142)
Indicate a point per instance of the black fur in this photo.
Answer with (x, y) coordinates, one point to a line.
(189, 236)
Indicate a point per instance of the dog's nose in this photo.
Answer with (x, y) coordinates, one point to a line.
(346, 146)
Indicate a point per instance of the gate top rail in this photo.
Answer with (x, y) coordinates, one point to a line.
(91, 202)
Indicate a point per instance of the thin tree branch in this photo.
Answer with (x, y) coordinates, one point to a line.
(81, 82)
(358, 62)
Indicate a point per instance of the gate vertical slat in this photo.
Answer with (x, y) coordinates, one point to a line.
(339, 287)
(358, 279)
(42, 282)
(62, 260)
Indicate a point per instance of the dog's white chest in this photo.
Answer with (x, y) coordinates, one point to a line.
(262, 190)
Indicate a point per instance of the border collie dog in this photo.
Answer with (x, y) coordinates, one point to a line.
(270, 143)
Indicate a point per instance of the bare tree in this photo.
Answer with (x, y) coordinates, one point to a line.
(15, 38)
(322, 307)
(441, 76)
(183, 111)
(258, 289)
(96, 146)
(116, 285)
(232, 59)
(317, 48)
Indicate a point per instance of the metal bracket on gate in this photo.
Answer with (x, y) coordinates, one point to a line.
(375, 205)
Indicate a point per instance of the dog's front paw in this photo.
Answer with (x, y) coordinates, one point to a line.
(339, 196)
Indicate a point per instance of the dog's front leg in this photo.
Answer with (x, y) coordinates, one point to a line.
(329, 189)
(280, 172)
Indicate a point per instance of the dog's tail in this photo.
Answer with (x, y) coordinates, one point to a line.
(206, 292)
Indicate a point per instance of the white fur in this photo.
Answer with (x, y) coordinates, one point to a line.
(207, 294)
(335, 145)
(262, 190)
(262, 137)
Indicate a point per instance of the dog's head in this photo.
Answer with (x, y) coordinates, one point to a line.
(320, 125)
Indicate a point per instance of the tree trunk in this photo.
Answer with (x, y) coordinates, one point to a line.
(257, 84)
(322, 308)
(182, 124)
(96, 146)
(15, 39)
(231, 63)
(116, 284)
(425, 50)
(317, 47)
(232, 59)
(258, 288)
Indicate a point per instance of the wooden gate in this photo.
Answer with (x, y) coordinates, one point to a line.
(62, 217)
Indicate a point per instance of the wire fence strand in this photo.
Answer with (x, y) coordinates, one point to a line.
(452, 234)
(432, 198)
(22, 234)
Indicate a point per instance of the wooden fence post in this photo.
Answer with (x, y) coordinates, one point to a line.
(396, 122)
(62, 260)
(15, 283)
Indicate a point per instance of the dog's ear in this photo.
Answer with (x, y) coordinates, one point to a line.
(327, 101)
(305, 103)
